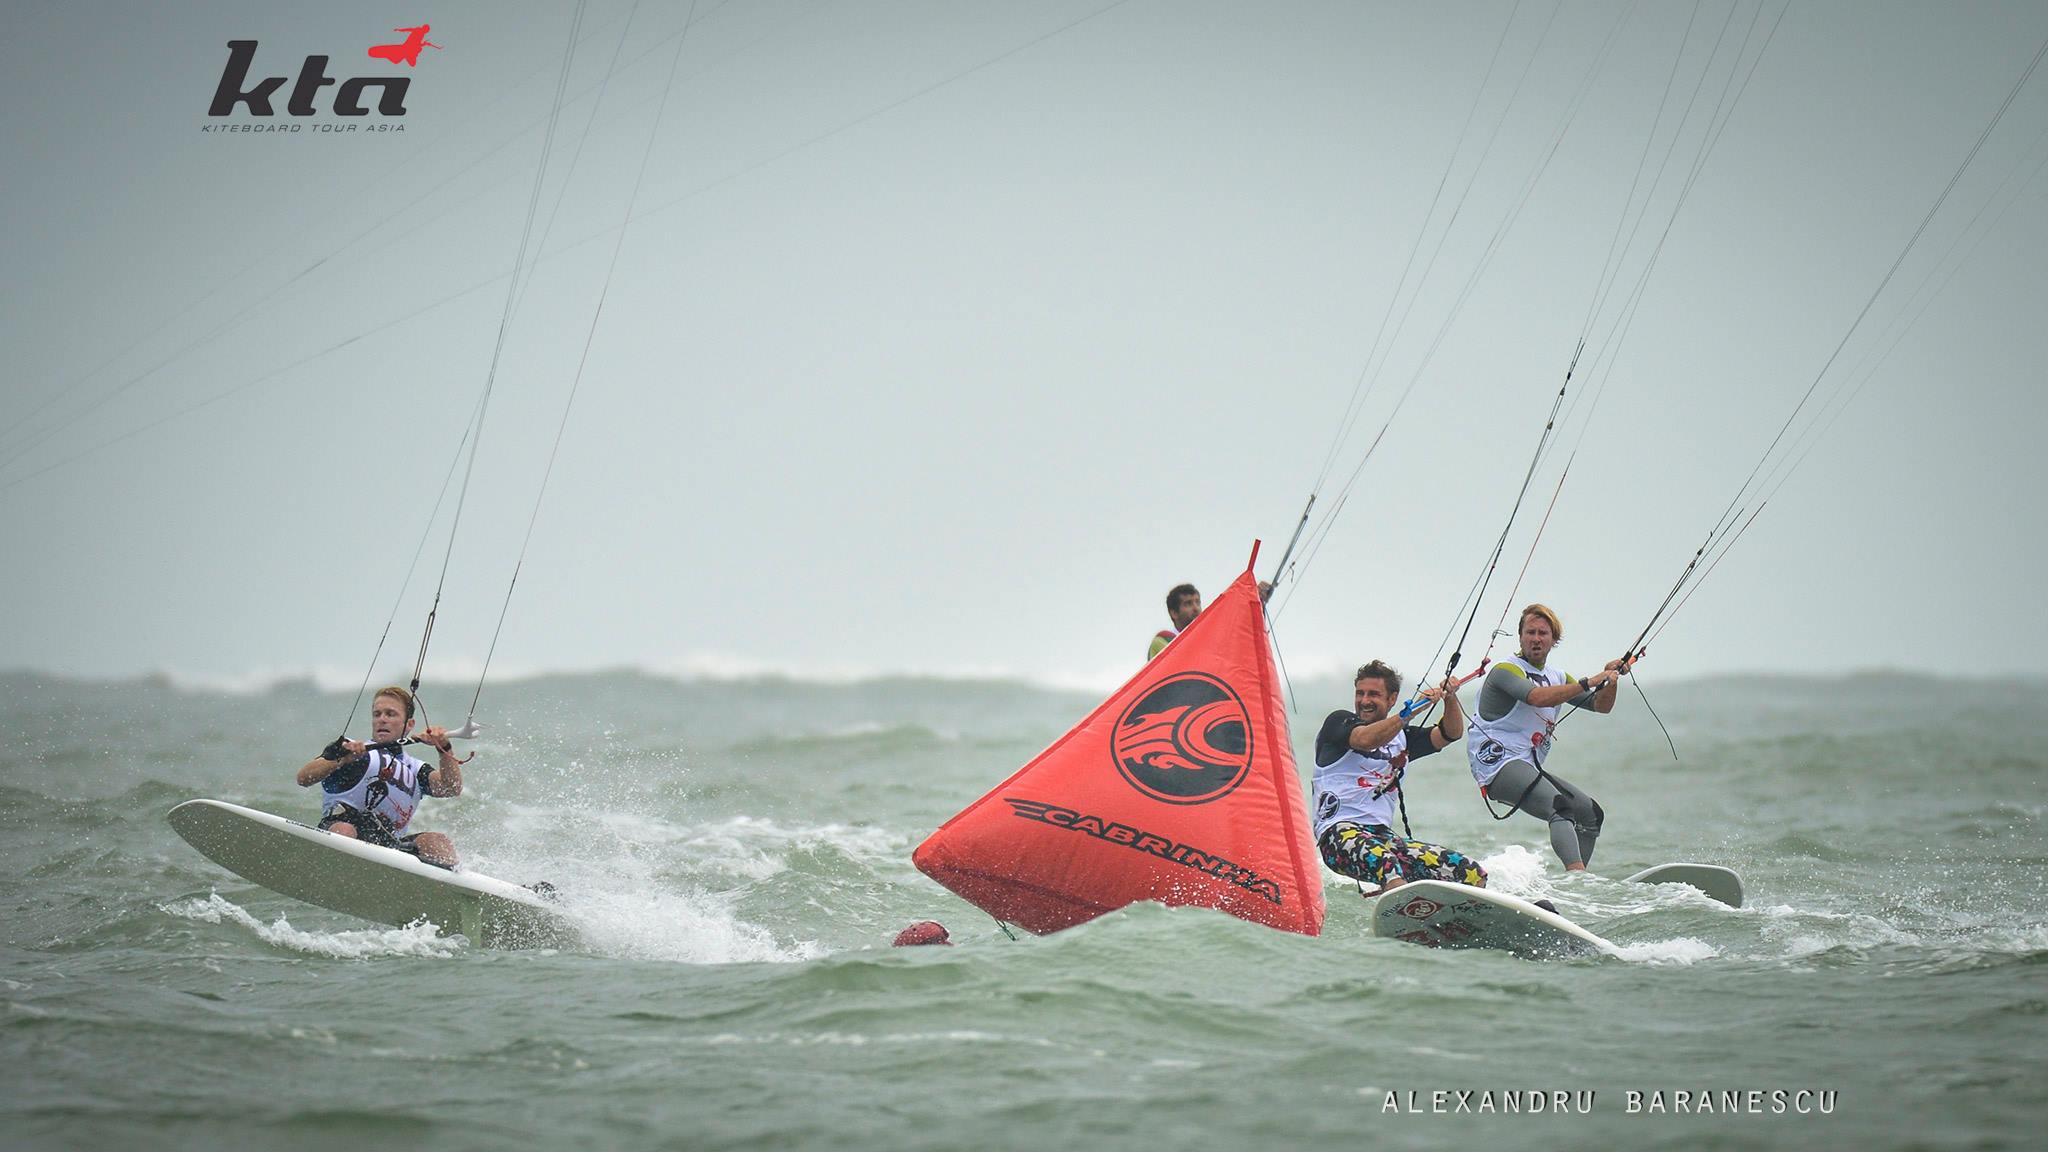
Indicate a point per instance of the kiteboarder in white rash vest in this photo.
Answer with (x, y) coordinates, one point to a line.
(370, 790)
(1511, 736)
(1360, 756)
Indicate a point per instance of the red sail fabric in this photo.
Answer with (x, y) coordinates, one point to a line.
(1180, 788)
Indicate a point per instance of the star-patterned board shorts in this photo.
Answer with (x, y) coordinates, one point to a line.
(1372, 853)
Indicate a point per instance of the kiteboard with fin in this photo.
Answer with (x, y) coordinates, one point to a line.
(366, 880)
(1440, 914)
(1717, 882)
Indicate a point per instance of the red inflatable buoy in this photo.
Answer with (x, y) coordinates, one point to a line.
(922, 932)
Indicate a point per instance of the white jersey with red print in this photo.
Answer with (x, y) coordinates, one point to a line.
(1345, 786)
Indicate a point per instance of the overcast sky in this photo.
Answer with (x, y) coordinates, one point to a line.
(946, 336)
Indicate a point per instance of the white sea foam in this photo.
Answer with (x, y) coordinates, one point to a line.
(415, 940)
(616, 916)
(1807, 933)
(641, 887)
(1799, 933)
(747, 846)
(857, 1039)
(1441, 1053)
(1679, 950)
(1517, 871)
(2024, 938)
(641, 922)
(638, 889)
(755, 833)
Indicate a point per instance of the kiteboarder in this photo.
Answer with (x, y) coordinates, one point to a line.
(1360, 756)
(1511, 736)
(370, 790)
(1183, 604)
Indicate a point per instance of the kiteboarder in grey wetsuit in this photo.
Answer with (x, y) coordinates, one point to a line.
(1511, 734)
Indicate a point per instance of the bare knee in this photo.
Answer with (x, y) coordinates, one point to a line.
(343, 829)
(436, 848)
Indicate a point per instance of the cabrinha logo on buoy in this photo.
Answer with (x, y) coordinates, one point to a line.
(1187, 741)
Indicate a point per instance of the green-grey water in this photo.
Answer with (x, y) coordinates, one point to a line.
(738, 854)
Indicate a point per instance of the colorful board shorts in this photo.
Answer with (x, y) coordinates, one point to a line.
(1372, 853)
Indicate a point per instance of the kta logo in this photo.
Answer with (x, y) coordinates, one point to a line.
(235, 87)
(1187, 741)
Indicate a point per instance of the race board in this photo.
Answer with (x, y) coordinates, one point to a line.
(366, 880)
(1717, 882)
(1440, 914)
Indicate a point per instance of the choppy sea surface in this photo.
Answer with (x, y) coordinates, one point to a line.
(738, 855)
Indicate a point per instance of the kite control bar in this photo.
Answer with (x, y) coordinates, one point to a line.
(1409, 707)
(337, 750)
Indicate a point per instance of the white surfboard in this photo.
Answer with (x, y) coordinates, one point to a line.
(1440, 914)
(1717, 882)
(375, 883)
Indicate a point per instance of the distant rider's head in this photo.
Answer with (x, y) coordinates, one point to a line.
(1183, 604)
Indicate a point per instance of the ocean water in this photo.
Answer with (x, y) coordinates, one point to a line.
(738, 853)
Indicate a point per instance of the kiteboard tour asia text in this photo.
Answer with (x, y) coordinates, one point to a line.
(1138, 840)
(228, 129)
(1634, 1102)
